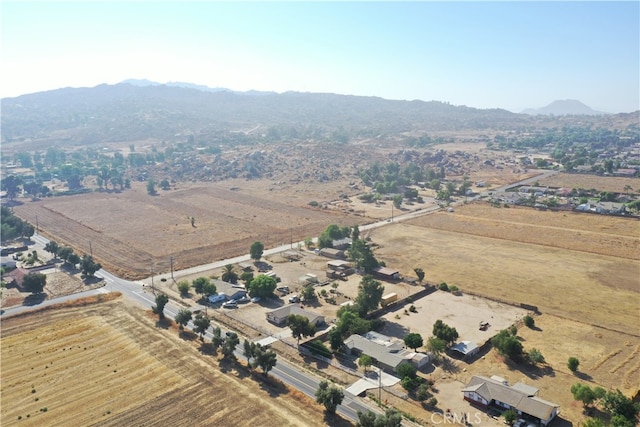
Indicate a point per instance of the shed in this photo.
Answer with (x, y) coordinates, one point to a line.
(386, 273)
(279, 316)
(466, 348)
(332, 253)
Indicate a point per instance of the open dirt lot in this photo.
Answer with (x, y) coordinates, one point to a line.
(110, 364)
(610, 183)
(461, 312)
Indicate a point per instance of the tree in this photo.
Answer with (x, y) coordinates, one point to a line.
(329, 396)
(413, 340)
(89, 266)
(11, 185)
(535, 356)
(365, 361)
(573, 364)
(265, 358)
(300, 326)
(199, 284)
(420, 273)
(246, 277)
(201, 324)
(216, 340)
(397, 200)
(369, 294)
(583, 393)
(391, 418)
(256, 250)
(34, 282)
(183, 287)
(164, 184)
(65, 253)
(161, 302)
(262, 286)
(52, 247)
(229, 345)
(182, 318)
(510, 415)
(529, 322)
(228, 275)
(507, 345)
(619, 405)
(151, 187)
(308, 293)
(436, 346)
(445, 332)
(406, 370)
(209, 289)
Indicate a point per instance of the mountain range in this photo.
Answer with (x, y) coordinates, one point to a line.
(564, 108)
(141, 109)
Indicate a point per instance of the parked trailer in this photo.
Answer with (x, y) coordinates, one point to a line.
(389, 299)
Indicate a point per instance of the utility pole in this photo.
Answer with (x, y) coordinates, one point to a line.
(90, 249)
(37, 228)
(379, 386)
(171, 260)
(291, 239)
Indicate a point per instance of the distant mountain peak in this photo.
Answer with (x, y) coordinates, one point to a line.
(564, 108)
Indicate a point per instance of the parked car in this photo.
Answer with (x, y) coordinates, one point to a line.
(230, 304)
(255, 299)
(243, 300)
(294, 298)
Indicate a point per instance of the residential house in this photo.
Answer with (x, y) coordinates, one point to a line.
(389, 353)
(496, 392)
(279, 315)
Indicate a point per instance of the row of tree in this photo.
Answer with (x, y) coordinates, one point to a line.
(12, 226)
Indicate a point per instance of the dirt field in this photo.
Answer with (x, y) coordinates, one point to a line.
(109, 364)
(132, 232)
(613, 184)
(582, 267)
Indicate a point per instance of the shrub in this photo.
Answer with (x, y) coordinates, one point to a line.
(183, 287)
(443, 287)
(433, 402)
(528, 321)
(535, 356)
(573, 364)
(318, 348)
(453, 288)
(413, 309)
(513, 330)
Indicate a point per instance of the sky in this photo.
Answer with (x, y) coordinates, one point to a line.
(511, 55)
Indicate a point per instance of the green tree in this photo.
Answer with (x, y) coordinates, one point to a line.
(201, 324)
(413, 340)
(209, 289)
(199, 284)
(151, 187)
(300, 326)
(246, 277)
(535, 356)
(391, 418)
(256, 250)
(229, 346)
(573, 364)
(406, 370)
(164, 184)
(89, 266)
(510, 416)
(228, 275)
(619, 405)
(308, 293)
(330, 396)
(583, 393)
(161, 302)
(183, 287)
(34, 282)
(507, 345)
(365, 361)
(436, 346)
(11, 185)
(420, 273)
(445, 332)
(529, 322)
(262, 286)
(182, 318)
(369, 294)
(52, 247)
(397, 200)
(265, 358)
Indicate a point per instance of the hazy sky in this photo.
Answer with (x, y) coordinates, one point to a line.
(511, 55)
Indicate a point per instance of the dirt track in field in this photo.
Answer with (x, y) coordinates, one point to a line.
(109, 364)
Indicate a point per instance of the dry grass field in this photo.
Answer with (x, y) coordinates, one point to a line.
(132, 232)
(613, 184)
(109, 364)
(578, 266)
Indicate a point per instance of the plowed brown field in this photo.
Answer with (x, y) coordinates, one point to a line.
(108, 364)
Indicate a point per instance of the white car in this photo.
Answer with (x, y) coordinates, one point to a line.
(255, 299)
(230, 304)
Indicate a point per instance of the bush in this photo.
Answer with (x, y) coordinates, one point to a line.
(443, 287)
(318, 348)
(535, 356)
(410, 383)
(183, 287)
(528, 321)
(413, 309)
(573, 364)
(433, 402)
